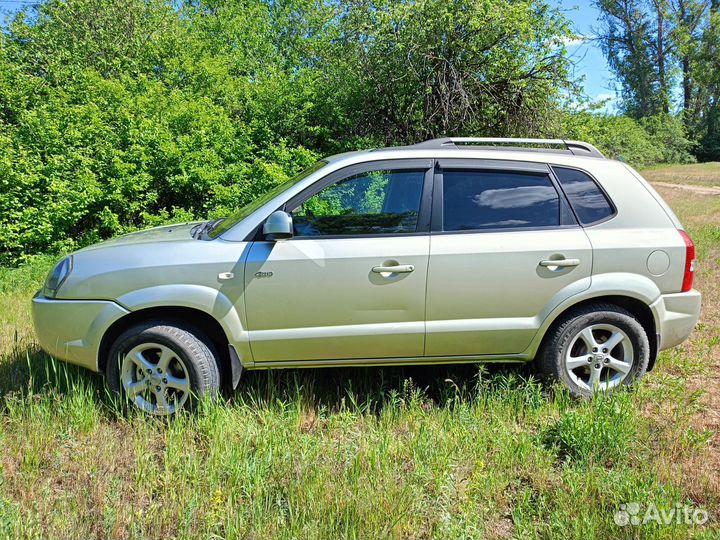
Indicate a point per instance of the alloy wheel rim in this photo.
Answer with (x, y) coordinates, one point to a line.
(600, 357)
(155, 379)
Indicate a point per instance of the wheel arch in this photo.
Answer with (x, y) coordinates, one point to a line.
(183, 316)
(637, 307)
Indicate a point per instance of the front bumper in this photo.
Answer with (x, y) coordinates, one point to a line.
(676, 316)
(71, 330)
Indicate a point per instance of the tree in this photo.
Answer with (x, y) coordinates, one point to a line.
(428, 68)
(634, 37)
(649, 42)
(709, 86)
(688, 20)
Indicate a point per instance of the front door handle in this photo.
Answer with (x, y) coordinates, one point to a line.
(562, 263)
(395, 269)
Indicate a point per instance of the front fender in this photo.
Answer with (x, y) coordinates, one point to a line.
(611, 284)
(202, 298)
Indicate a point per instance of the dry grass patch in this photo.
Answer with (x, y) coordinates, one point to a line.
(703, 174)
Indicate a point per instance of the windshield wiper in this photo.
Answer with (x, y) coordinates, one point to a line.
(204, 228)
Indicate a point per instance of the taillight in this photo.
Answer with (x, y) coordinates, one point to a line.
(689, 261)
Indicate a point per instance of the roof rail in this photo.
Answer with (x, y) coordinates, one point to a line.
(576, 148)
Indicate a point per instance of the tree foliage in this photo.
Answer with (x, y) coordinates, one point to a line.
(666, 54)
(429, 68)
(636, 44)
(118, 114)
(707, 117)
(651, 140)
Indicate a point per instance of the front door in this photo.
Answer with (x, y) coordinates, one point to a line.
(351, 282)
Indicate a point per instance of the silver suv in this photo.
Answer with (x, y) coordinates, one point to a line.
(451, 250)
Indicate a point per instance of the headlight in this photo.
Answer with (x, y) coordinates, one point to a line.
(57, 276)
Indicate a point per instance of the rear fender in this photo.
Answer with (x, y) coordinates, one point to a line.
(611, 284)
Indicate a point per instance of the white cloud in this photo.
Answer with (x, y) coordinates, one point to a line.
(605, 97)
(575, 41)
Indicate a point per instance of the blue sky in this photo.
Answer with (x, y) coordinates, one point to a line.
(590, 64)
(13, 5)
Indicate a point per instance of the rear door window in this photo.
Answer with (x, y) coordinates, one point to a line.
(493, 199)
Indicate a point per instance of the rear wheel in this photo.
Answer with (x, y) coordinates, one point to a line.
(595, 348)
(161, 367)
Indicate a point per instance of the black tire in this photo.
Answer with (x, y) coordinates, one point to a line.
(189, 345)
(551, 359)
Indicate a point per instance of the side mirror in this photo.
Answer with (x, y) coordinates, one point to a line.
(278, 226)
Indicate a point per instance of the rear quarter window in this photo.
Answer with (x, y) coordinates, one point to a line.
(587, 199)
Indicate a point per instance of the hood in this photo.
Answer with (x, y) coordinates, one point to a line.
(180, 232)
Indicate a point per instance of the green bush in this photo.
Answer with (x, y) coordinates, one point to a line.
(650, 141)
(122, 114)
(670, 135)
(125, 154)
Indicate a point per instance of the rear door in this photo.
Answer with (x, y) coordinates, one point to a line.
(504, 250)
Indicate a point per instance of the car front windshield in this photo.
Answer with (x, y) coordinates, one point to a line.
(229, 222)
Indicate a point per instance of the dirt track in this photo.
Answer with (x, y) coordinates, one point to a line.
(700, 190)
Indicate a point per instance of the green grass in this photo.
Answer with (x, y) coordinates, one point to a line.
(443, 452)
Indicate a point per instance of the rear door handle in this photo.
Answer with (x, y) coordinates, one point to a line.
(563, 263)
(396, 269)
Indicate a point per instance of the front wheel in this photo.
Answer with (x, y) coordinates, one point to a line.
(161, 367)
(595, 348)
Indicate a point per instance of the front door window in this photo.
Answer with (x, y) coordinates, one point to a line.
(369, 203)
